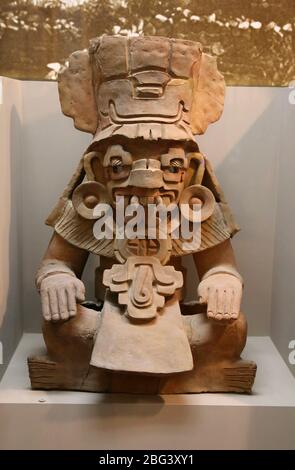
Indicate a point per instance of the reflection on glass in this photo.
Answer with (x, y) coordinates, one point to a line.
(254, 41)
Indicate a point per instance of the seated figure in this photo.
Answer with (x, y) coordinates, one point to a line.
(144, 99)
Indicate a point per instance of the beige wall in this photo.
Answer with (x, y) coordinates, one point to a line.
(283, 292)
(10, 249)
(5, 184)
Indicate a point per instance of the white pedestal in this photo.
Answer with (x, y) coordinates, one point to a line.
(31, 419)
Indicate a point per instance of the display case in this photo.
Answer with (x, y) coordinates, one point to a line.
(251, 149)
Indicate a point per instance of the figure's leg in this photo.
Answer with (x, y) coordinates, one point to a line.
(216, 349)
(66, 365)
(69, 347)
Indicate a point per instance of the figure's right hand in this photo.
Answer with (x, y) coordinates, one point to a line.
(60, 294)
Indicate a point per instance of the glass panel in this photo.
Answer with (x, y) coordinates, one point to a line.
(254, 41)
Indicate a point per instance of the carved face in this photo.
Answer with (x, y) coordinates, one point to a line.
(152, 172)
(143, 172)
(159, 177)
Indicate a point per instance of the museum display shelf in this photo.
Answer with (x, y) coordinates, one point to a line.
(31, 419)
(260, 156)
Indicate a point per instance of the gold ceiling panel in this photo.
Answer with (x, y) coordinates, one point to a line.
(254, 41)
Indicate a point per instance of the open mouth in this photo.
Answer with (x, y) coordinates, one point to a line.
(145, 196)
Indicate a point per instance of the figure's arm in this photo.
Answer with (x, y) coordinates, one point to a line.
(221, 284)
(58, 279)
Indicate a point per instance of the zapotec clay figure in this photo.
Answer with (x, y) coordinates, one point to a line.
(143, 99)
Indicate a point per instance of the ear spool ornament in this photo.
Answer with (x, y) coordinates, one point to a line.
(87, 196)
(197, 195)
(90, 193)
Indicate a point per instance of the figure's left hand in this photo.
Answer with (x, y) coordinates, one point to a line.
(223, 294)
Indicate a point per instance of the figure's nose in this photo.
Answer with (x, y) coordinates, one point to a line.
(146, 173)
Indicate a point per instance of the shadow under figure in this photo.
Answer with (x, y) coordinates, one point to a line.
(143, 99)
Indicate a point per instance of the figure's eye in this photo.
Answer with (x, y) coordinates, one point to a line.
(116, 161)
(117, 169)
(173, 169)
(176, 163)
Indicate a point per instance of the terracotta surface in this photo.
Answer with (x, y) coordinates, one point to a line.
(143, 99)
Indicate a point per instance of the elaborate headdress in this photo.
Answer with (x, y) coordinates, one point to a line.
(150, 87)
